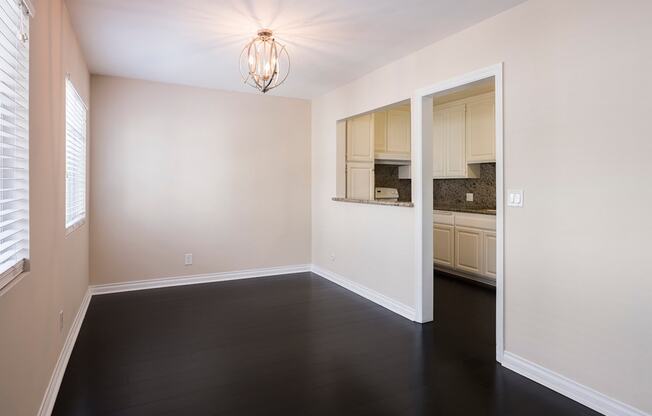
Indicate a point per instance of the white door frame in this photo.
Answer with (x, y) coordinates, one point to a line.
(421, 103)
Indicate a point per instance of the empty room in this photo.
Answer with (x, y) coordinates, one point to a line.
(300, 207)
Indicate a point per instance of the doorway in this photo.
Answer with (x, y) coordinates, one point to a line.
(423, 197)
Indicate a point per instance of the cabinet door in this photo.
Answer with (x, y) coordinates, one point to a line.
(489, 260)
(455, 142)
(360, 180)
(360, 139)
(439, 144)
(468, 250)
(443, 244)
(481, 130)
(398, 132)
(380, 131)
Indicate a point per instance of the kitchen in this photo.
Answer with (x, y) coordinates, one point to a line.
(378, 162)
(464, 182)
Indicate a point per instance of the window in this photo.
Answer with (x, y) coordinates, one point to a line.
(75, 158)
(14, 143)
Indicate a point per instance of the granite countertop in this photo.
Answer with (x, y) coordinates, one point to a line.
(485, 211)
(374, 202)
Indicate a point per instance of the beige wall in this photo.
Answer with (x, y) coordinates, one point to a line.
(577, 139)
(30, 339)
(224, 176)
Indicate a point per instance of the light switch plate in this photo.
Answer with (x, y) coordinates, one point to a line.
(515, 198)
(469, 197)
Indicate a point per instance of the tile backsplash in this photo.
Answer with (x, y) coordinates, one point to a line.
(452, 192)
(448, 193)
(386, 176)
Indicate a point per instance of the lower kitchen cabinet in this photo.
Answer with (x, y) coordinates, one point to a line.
(489, 250)
(465, 243)
(468, 250)
(443, 247)
(360, 180)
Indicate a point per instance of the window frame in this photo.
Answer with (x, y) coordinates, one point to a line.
(20, 27)
(77, 222)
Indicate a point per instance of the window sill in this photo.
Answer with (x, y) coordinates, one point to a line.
(74, 226)
(373, 202)
(6, 283)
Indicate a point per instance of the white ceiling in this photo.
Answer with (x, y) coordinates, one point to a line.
(331, 42)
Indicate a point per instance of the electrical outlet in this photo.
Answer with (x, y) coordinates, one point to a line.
(60, 320)
(188, 259)
(332, 257)
(469, 197)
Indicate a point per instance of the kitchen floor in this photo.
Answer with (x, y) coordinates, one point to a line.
(293, 345)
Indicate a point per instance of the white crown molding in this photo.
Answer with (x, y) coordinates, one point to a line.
(569, 388)
(367, 293)
(196, 279)
(52, 390)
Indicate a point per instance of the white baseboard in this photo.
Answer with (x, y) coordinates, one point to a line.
(60, 368)
(196, 279)
(370, 294)
(463, 275)
(569, 388)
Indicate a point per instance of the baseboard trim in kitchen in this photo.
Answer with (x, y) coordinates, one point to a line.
(367, 293)
(197, 279)
(569, 388)
(456, 274)
(50, 397)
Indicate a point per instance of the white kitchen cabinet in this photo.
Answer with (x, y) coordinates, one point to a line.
(468, 250)
(392, 134)
(439, 129)
(398, 131)
(481, 129)
(489, 251)
(455, 146)
(449, 143)
(360, 139)
(380, 132)
(443, 244)
(465, 243)
(360, 180)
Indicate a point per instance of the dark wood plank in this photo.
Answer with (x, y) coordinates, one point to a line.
(293, 345)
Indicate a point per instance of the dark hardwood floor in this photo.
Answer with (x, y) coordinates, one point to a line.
(293, 345)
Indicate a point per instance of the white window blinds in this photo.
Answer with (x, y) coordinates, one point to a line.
(75, 157)
(14, 143)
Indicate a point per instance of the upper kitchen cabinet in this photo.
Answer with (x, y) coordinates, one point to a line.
(392, 134)
(481, 129)
(360, 139)
(449, 143)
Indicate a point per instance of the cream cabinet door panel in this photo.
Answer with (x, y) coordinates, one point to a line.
(481, 130)
(456, 142)
(360, 139)
(438, 144)
(398, 131)
(380, 131)
(489, 263)
(468, 250)
(360, 180)
(443, 244)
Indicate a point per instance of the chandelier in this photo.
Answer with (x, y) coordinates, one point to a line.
(264, 62)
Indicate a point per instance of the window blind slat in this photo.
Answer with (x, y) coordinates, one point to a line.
(14, 144)
(76, 122)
